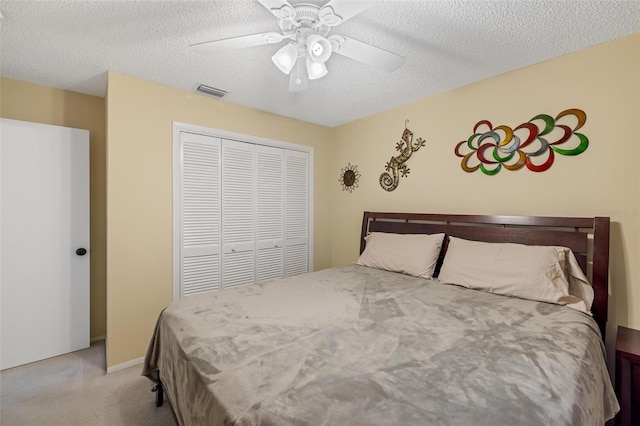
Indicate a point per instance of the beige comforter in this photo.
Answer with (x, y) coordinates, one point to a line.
(361, 346)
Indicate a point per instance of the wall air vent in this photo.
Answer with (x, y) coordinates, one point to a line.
(211, 91)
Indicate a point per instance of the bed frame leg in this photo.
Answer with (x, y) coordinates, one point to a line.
(159, 390)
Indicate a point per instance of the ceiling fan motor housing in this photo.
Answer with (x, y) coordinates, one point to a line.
(304, 16)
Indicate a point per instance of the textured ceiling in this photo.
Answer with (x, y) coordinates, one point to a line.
(448, 44)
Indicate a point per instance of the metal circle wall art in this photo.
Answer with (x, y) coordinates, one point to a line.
(532, 144)
(349, 177)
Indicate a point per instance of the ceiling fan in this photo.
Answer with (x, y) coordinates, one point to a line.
(305, 27)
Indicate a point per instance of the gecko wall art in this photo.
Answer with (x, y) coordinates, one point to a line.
(396, 167)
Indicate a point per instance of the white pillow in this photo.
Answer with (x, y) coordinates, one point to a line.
(411, 254)
(542, 273)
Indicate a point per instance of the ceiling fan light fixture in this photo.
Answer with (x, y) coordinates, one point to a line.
(318, 48)
(316, 70)
(305, 28)
(285, 58)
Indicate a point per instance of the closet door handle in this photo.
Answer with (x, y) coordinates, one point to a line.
(81, 252)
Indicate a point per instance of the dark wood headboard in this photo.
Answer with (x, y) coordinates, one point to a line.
(571, 232)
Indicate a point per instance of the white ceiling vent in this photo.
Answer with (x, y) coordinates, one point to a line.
(211, 91)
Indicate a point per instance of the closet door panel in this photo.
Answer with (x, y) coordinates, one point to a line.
(238, 213)
(200, 201)
(296, 213)
(200, 274)
(270, 214)
(297, 261)
(239, 268)
(270, 264)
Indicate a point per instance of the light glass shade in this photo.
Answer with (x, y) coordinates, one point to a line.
(316, 70)
(285, 58)
(318, 48)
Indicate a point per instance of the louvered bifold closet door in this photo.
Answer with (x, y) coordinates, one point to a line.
(270, 213)
(296, 212)
(238, 213)
(200, 201)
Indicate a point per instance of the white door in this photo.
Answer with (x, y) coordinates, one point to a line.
(270, 212)
(296, 213)
(200, 222)
(44, 229)
(238, 213)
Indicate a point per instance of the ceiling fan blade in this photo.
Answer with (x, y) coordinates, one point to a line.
(280, 8)
(366, 53)
(338, 11)
(209, 47)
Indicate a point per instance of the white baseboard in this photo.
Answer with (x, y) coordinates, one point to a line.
(97, 339)
(124, 365)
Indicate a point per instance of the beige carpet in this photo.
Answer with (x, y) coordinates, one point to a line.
(73, 389)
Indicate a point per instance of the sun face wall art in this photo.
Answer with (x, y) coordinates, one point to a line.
(349, 177)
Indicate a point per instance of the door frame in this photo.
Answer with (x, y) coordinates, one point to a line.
(179, 127)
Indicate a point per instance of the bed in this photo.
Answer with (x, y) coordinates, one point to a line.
(363, 345)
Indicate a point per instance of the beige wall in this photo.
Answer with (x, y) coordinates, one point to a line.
(140, 137)
(30, 102)
(605, 180)
(604, 81)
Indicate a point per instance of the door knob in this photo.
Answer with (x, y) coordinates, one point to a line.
(81, 252)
